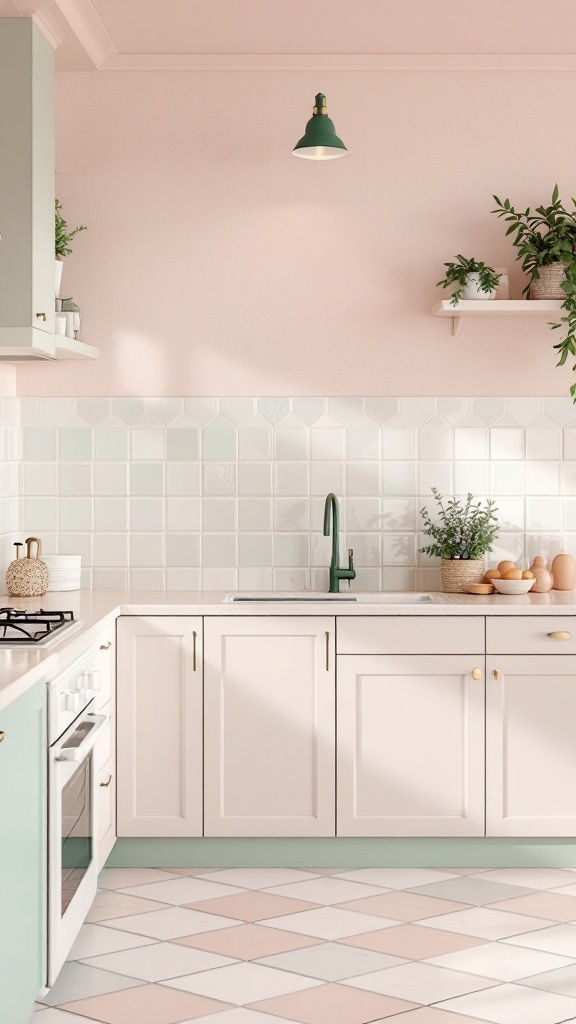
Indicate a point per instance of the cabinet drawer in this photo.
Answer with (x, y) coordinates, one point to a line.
(106, 811)
(538, 634)
(106, 655)
(104, 748)
(410, 634)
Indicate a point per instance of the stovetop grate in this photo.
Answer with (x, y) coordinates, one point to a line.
(25, 627)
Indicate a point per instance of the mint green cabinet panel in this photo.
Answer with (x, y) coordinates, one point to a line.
(22, 854)
(26, 176)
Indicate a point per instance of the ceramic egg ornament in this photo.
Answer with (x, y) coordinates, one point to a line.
(543, 578)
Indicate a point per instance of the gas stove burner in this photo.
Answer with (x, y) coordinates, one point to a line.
(21, 627)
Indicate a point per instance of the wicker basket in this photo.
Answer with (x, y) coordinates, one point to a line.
(458, 573)
(547, 286)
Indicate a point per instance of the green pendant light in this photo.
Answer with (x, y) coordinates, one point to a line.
(320, 141)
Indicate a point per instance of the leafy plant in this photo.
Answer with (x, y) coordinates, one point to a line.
(457, 273)
(63, 236)
(543, 237)
(464, 531)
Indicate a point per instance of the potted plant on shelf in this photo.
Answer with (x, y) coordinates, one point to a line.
(464, 533)
(475, 280)
(546, 243)
(63, 238)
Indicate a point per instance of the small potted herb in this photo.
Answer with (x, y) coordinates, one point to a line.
(464, 533)
(475, 280)
(63, 237)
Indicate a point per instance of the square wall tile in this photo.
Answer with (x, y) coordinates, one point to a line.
(219, 579)
(255, 549)
(218, 550)
(146, 514)
(543, 477)
(399, 549)
(367, 548)
(291, 478)
(220, 478)
(111, 443)
(254, 478)
(218, 442)
(364, 514)
(291, 549)
(435, 474)
(110, 514)
(39, 515)
(543, 443)
(146, 479)
(506, 443)
(147, 549)
(184, 514)
(75, 513)
(326, 444)
(147, 579)
(544, 514)
(291, 443)
(398, 443)
(38, 478)
(183, 478)
(470, 443)
(75, 478)
(291, 514)
(39, 444)
(435, 443)
(326, 477)
(111, 478)
(363, 443)
(183, 579)
(398, 478)
(182, 549)
(182, 444)
(76, 544)
(148, 443)
(507, 478)
(471, 477)
(254, 443)
(254, 514)
(218, 514)
(363, 479)
(75, 444)
(111, 549)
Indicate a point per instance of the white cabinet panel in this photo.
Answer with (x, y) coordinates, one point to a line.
(531, 746)
(410, 634)
(159, 726)
(410, 746)
(269, 726)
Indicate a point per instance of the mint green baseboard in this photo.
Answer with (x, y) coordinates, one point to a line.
(344, 853)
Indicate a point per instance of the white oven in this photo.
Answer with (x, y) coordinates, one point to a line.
(74, 727)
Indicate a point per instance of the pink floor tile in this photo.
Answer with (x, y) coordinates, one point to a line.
(428, 1015)
(251, 906)
(248, 941)
(413, 942)
(333, 1004)
(541, 904)
(154, 1004)
(403, 906)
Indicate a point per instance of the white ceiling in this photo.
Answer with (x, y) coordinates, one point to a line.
(123, 34)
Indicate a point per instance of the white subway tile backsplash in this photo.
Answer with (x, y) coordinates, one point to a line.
(223, 493)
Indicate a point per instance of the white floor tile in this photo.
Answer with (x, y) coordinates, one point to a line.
(159, 962)
(243, 983)
(258, 878)
(420, 983)
(327, 890)
(52, 1015)
(483, 923)
(95, 939)
(240, 1015)
(534, 878)
(514, 1004)
(500, 961)
(174, 923)
(396, 878)
(181, 890)
(563, 982)
(121, 878)
(331, 962)
(329, 923)
(76, 981)
(559, 939)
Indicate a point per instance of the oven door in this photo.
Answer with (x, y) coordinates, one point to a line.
(72, 831)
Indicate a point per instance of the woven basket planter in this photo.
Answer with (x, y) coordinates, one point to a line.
(458, 573)
(548, 284)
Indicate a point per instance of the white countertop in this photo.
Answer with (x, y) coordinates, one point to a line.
(20, 669)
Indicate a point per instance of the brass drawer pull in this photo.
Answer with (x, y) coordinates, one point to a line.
(106, 646)
(194, 645)
(2, 736)
(327, 651)
(496, 673)
(476, 673)
(560, 634)
(41, 316)
(104, 785)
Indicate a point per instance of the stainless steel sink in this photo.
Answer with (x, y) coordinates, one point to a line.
(308, 597)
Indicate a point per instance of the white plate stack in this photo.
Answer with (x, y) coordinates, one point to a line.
(64, 571)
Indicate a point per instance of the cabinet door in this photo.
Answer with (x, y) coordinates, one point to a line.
(530, 746)
(410, 746)
(23, 862)
(159, 726)
(269, 726)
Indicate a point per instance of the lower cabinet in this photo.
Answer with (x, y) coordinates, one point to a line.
(531, 744)
(23, 862)
(159, 726)
(410, 745)
(269, 687)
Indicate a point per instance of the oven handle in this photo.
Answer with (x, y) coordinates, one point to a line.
(77, 754)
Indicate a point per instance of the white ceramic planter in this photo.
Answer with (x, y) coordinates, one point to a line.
(473, 290)
(58, 268)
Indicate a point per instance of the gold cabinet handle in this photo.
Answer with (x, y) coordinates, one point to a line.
(2, 736)
(106, 646)
(560, 634)
(194, 639)
(496, 673)
(104, 785)
(41, 316)
(476, 673)
(327, 650)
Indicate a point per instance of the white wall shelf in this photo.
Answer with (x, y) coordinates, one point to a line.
(541, 308)
(28, 344)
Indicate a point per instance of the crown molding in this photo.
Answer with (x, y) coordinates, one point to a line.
(88, 30)
(336, 62)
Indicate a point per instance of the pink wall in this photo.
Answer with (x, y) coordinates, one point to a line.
(216, 264)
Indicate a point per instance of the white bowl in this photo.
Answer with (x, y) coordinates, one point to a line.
(513, 587)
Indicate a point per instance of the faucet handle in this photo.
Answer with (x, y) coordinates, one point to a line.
(350, 558)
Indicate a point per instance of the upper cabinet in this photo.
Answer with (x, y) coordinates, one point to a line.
(27, 192)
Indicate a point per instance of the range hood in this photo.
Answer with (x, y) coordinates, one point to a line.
(29, 344)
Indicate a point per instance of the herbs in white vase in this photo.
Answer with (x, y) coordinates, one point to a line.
(63, 237)
(474, 279)
(465, 532)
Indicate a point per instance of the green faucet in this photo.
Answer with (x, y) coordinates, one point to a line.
(336, 573)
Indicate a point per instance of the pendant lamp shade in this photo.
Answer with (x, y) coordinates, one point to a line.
(320, 141)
